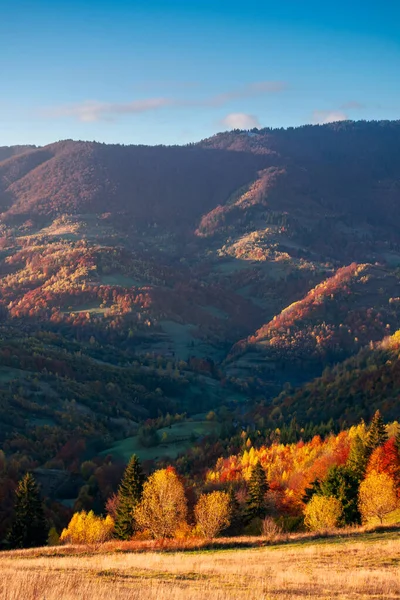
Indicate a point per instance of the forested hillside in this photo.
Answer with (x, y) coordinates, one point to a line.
(163, 299)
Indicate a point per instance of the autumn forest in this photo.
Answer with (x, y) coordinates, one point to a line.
(216, 323)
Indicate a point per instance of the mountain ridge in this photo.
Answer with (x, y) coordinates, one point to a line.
(191, 278)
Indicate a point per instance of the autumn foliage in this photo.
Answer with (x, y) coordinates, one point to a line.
(163, 507)
(322, 513)
(377, 496)
(213, 513)
(289, 468)
(88, 528)
(385, 459)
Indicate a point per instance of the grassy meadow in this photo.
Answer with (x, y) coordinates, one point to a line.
(363, 565)
(174, 440)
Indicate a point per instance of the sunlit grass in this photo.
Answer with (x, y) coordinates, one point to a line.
(304, 568)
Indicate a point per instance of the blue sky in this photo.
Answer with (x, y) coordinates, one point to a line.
(174, 71)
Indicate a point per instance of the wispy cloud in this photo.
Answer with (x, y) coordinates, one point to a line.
(240, 121)
(328, 116)
(91, 111)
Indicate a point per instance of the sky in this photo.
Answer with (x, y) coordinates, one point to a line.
(177, 71)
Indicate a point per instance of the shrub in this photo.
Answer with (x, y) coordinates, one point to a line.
(270, 529)
(290, 524)
(213, 513)
(87, 528)
(322, 513)
(53, 537)
(184, 532)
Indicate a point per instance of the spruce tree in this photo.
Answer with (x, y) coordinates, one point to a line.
(377, 434)
(341, 483)
(236, 514)
(129, 495)
(357, 461)
(28, 528)
(256, 505)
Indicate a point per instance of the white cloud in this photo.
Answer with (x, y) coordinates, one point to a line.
(328, 116)
(240, 121)
(91, 111)
(96, 111)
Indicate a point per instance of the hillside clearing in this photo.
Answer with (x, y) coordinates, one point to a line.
(175, 440)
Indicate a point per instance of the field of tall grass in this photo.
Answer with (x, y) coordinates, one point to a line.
(366, 566)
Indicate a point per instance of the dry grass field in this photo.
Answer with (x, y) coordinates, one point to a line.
(365, 566)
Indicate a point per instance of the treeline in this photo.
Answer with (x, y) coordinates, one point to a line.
(346, 479)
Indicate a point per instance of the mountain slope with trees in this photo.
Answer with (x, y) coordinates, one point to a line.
(248, 278)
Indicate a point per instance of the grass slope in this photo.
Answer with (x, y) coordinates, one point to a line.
(175, 440)
(352, 568)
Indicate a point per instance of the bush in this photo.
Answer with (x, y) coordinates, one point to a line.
(322, 513)
(184, 532)
(290, 524)
(213, 513)
(270, 529)
(87, 528)
(53, 537)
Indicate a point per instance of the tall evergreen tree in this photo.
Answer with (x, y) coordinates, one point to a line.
(377, 434)
(129, 495)
(29, 528)
(343, 484)
(236, 518)
(357, 461)
(256, 505)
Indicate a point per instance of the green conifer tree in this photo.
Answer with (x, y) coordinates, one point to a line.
(343, 484)
(357, 461)
(236, 518)
(28, 528)
(377, 434)
(129, 495)
(256, 505)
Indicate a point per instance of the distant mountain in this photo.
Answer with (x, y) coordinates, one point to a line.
(172, 187)
(190, 278)
(9, 151)
(333, 190)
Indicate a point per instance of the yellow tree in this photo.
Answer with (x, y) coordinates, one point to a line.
(213, 513)
(377, 496)
(322, 512)
(163, 507)
(87, 528)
